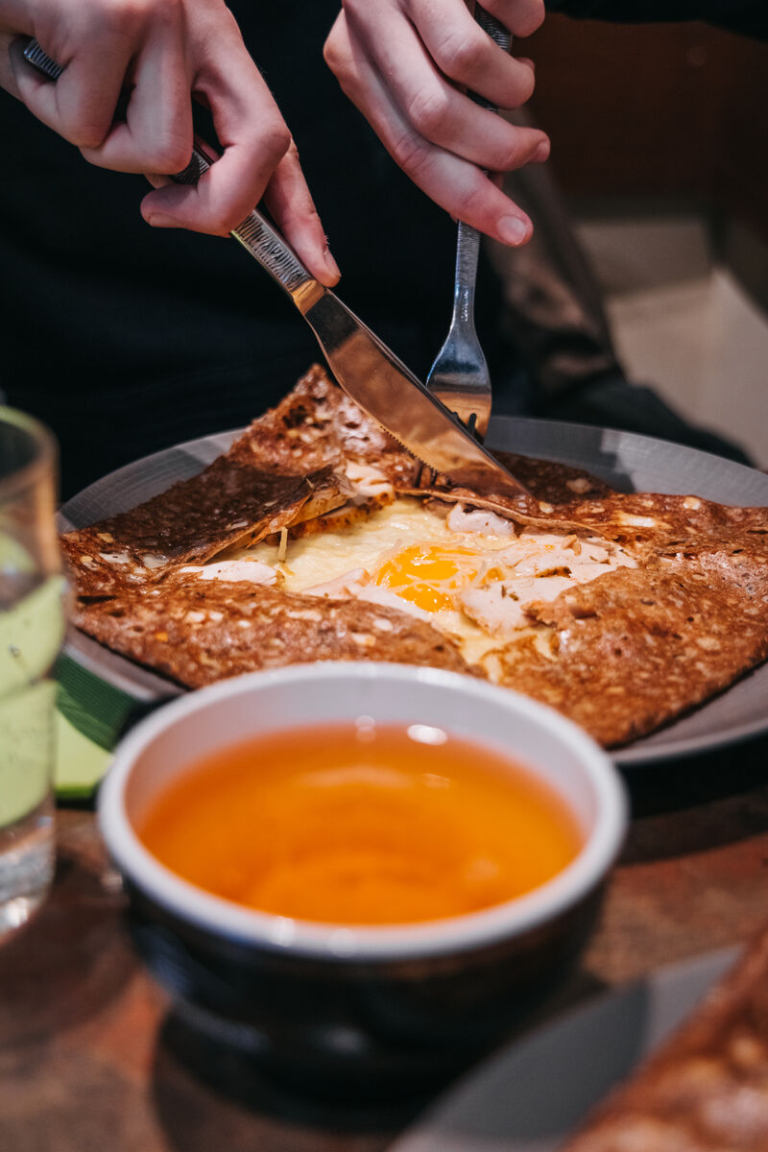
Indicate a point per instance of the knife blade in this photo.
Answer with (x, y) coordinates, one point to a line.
(368, 371)
(365, 368)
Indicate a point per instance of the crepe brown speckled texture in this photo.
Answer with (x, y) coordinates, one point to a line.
(637, 647)
(625, 653)
(706, 1090)
(646, 523)
(317, 418)
(554, 483)
(284, 468)
(191, 522)
(198, 633)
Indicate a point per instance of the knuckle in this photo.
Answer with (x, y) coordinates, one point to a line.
(519, 86)
(332, 54)
(274, 140)
(164, 17)
(172, 10)
(124, 16)
(521, 17)
(530, 18)
(171, 156)
(525, 84)
(458, 56)
(410, 153)
(86, 134)
(428, 112)
(336, 51)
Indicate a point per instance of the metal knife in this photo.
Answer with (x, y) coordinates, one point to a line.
(366, 369)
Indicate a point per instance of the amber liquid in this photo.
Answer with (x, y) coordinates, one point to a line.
(359, 824)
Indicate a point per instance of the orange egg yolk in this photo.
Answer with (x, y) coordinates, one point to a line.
(429, 576)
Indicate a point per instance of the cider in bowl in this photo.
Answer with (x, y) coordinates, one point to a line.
(362, 824)
(360, 874)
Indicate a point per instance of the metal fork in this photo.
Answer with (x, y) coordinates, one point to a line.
(459, 376)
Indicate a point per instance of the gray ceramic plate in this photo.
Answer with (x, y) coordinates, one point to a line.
(626, 461)
(531, 1095)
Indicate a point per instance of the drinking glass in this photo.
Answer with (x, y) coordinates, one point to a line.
(31, 632)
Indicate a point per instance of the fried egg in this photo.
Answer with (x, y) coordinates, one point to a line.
(470, 573)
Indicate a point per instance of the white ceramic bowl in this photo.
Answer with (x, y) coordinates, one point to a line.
(444, 981)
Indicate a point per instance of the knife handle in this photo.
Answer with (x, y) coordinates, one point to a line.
(258, 237)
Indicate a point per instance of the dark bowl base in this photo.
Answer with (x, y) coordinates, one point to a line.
(389, 1095)
(353, 1030)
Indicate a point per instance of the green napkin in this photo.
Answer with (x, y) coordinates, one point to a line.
(91, 716)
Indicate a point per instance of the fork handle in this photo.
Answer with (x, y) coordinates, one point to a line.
(501, 36)
(468, 238)
(467, 254)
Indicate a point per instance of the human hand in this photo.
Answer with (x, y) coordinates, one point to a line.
(166, 53)
(401, 62)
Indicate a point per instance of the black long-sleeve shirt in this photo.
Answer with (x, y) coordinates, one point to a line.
(747, 16)
(126, 339)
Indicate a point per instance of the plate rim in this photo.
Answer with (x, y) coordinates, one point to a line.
(148, 688)
(702, 970)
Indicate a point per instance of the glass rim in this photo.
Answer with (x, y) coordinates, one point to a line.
(44, 460)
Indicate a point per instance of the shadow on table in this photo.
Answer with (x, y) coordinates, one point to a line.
(724, 796)
(209, 1094)
(68, 962)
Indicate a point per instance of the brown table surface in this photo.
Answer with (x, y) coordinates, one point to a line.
(92, 1060)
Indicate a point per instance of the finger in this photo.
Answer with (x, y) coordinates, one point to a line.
(255, 139)
(453, 183)
(157, 133)
(11, 46)
(292, 208)
(433, 107)
(80, 106)
(521, 17)
(467, 55)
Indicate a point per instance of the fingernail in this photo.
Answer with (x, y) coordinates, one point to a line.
(513, 230)
(541, 153)
(159, 220)
(331, 264)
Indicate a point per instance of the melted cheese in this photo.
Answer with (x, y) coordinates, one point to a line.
(321, 557)
(470, 574)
